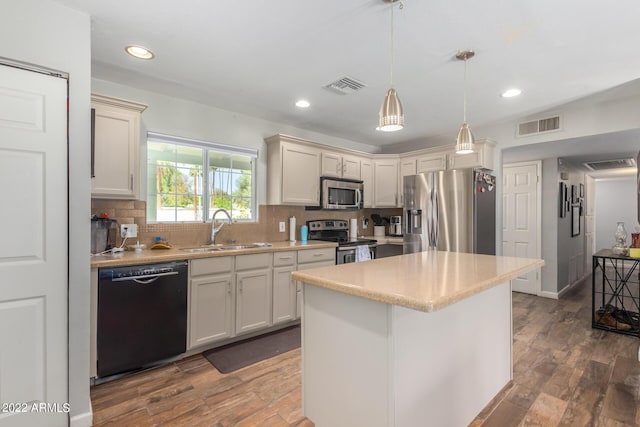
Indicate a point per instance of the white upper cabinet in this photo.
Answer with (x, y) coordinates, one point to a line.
(482, 157)
(340, 165)
(432, 162)
(293, 172)
(366, 175)
(408, 166)
(385, 187)
(294, 168)
(116, 147)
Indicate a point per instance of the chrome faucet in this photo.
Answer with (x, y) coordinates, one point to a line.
(214, 229)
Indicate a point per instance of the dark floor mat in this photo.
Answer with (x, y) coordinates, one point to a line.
(234, 356)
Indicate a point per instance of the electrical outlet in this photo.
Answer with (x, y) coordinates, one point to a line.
(281, 226)
(128, 230)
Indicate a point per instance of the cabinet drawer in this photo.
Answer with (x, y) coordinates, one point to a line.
(284, 258)
(216, 265)
(253, 261)
(316, 255)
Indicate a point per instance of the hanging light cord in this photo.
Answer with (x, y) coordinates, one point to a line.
(464, 108)
(391, 45)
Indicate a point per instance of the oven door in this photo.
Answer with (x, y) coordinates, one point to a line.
(339, 194)
(348, 254)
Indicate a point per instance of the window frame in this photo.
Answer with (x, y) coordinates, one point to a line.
(207, 147)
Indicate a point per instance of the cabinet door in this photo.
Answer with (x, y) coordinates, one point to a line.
(366, 175)
(253, 300)
(300, 175)
(284, 295)
(385, 189)
(462, 161)
(211, 309)
(430, 163)
(351, 167)
(331, 164)
(116, 147)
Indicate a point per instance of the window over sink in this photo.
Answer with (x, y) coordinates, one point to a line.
(187, 180)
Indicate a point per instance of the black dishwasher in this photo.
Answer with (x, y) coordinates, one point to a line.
(142, 315)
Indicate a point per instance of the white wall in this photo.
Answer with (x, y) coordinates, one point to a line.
(179, 117)
(44, 33)
(616, 200)
(549, 209)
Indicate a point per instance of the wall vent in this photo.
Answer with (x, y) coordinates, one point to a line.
(345, 85)
(535, 127)
(610, 164)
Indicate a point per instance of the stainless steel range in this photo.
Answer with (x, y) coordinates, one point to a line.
(348, 250)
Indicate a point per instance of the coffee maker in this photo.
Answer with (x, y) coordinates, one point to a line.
(103, 234)
(395, 226)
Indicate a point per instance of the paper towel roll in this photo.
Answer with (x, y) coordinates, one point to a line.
(292, 229)
(353, 228)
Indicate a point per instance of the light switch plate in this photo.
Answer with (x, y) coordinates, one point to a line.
(128, 230)
(281, 226)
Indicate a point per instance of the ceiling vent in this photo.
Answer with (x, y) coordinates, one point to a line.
(535, 127)
(345, 85)
(610, 164)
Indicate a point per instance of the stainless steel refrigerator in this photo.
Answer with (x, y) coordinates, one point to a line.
(453, 210)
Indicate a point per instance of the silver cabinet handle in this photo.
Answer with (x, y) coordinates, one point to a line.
(131, 182)
(317, 254)
(240, 286)
(286, 257)
(229, 288)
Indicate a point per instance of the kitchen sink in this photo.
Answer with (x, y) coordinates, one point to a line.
(236, 247)
(202, 249)
(216, 248)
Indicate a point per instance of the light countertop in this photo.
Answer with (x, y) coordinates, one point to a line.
(382, 240)
(425, 281)
(175, 253)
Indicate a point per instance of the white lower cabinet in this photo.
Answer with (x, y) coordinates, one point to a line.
(211, 309)
(284, 288)
(253, 292)
(211, 300)
(284, 295)
(236, 295)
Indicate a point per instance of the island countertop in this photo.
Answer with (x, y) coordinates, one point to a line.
(425, 281)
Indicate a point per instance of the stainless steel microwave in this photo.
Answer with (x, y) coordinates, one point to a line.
(336, 193)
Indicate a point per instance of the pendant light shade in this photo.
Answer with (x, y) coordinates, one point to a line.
(391, 113)
(465, 142)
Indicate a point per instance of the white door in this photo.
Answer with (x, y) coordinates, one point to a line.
(33, 253)
(521, 219)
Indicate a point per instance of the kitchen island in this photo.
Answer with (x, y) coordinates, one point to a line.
(421, 339)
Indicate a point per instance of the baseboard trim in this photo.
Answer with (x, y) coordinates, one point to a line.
(81, 420)
(548, 294)
(571, 286)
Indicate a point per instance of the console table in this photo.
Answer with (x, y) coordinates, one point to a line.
(616, 293)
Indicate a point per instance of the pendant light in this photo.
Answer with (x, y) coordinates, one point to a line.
(464, 143)
(391, 114)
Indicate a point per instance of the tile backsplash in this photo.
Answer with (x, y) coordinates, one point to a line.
(265, 230)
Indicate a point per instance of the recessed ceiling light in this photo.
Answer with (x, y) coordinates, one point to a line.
(139, 52)
(302, 103)
(511, 93)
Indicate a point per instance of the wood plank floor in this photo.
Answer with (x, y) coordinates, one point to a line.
(565, 374)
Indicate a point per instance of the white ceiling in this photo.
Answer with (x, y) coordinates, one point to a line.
(258, 57)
